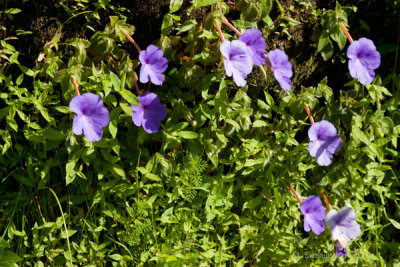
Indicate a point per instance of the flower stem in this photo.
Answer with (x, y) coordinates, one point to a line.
(269, 64)
(133, 42)
(325, 199)
(231, 26)
(346, 32)
(75, 85)
(219, 31)
(309, 113)
(136, 86)
(294, 192)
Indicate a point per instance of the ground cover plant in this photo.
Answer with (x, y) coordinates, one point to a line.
(199, 133)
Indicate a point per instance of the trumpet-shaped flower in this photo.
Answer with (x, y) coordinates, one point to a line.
(324, 141)
(237, 61)
(90, 116)
(344, 228)
(363, 59)
(255, 45)
(281, 67)
(153, 65)
(314, 214)
(149, 113)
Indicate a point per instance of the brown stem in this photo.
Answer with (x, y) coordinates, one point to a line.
(325, 199)
(294, 192)
(75, 85)
(268, 62)
(40, 211)
(346, 32)
(4, 20)
(309, 113)
(219, 31)
(136, 86)
(231, 26)
(133, 42)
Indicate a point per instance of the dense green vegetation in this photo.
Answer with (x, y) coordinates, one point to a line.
(210, 187)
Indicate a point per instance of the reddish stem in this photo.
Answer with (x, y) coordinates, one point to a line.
(231, 26)
(325, 199)
(75, 85)
(40, 211)
(219, 31)
(136, 86)
(309, 113)
(346, 32)
(294, 192)
(133, 42)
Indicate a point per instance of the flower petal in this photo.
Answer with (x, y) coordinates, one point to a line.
(92, 132)
(324, 157)
(150, 113)
(255, 44)
(363, 59)
(358, 70)
(153, 65)
(237, 61)
(101, 117)
(281, 67)
(77, 125)
(314, 213)
(343, 225)
(90, 116)
(137, 115)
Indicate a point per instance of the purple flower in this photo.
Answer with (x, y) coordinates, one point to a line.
(237, 61)
(281, 67)
(343, 226)
(340, 251)
(363, 59)
(153, 65)
(323, 142)
(314, 214)
(90, 116)
(149, 113)
(255, 45)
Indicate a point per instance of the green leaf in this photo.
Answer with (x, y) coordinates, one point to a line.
(325, 46)
(359, 135)
(115, 81)
(8, 258)
(259, 123)
(174, 5)
(126, 108)
(119, 171)
(130, 97)
(71, 232)
(70, 172)
(14, 58)
(395, 223)
(187, 25)
(52, 134)
(63, 109)
(115, 257)
(233, 123)
(188, 135)
(167, 24)
(13, 11)
(26, 70)
(201, 3)
(19, 80)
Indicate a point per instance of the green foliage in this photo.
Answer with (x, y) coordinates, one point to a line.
(209, 188)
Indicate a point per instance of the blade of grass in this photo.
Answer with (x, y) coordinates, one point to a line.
(65, 224)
